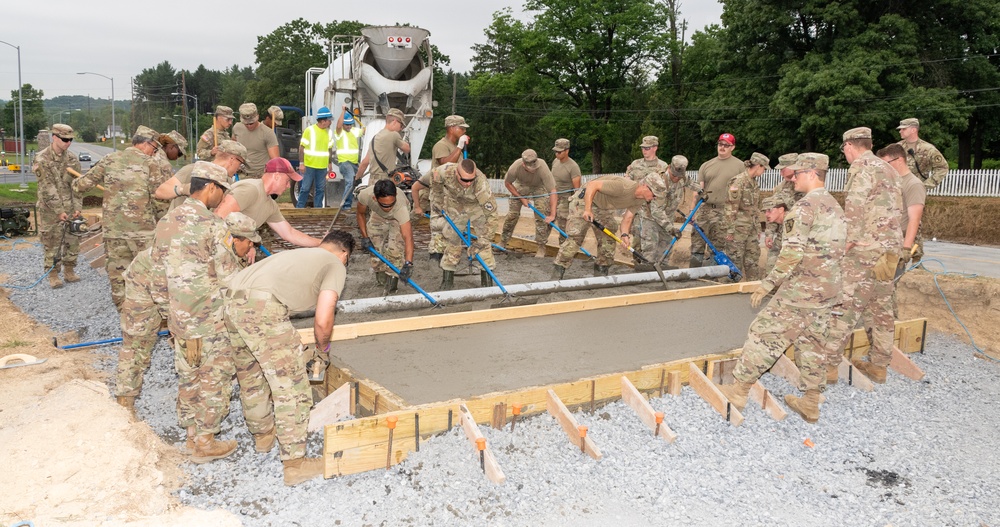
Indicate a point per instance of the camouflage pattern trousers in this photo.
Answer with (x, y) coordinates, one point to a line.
(142, 313)
(779, 326)
(577, 228)
(562, 211)
(712, 221)
(540, 201)
(455, 251)
(744, 251)
(57, 242)
(121, 252)
(776, 237)
(438, 228)
(652, 239)
(259, 324)
(864, 297)
(387, 239)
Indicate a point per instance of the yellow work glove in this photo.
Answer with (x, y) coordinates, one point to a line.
(885, 267)
(758, 296)
(192, 352)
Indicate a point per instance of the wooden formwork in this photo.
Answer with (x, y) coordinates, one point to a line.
(362, 444)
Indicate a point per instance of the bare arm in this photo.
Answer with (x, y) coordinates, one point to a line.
(171, 189)
(273, 152)
(407, 231)
(227, 207)
(915, 212)
(323, 322)
(415, 190)
(361, 215)
(292, 235)
(553, 204)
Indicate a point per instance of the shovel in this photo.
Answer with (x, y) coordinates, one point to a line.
(407, 280)
(560, 231)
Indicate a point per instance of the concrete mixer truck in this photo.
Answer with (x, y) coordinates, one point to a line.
(385, 67)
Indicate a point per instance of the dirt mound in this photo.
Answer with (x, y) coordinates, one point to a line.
(974, 299)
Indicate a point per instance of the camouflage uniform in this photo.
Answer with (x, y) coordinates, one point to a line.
(56, 196)
(656, 237)
(742, 225)
(714, 174)
(474, 204)
(873, 207)
(785, 193)
(536, 192)
(926, 162)
(129, 209)
(437, 223)
(616, 191)
(383, 228)
(649, 228)
(564, 172)
(142, 313)
(159, 172)
(808, 278)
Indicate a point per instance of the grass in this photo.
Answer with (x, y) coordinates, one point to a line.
(15, 344)
(12, 193)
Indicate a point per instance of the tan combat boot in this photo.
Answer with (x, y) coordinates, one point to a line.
(832, 375)
(54, 281)
(873, 372)
(263, 443)
(189, 442)
(807, 406)
(206, 448)
(302, 469)
(737, 393)
(69, 274)
(540, 253)
(127, 402)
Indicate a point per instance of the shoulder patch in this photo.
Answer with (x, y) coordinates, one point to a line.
(207, 136)
(489, 206)
(789, 225)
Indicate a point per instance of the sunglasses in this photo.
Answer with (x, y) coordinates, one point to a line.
(384, 206)
(70, 140)
(462, 179)
(647, 147)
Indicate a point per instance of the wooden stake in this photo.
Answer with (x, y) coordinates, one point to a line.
(854, 377)
(902, 365)
(711, 394)
(786, 369)
(663, 374)
(569, 425)
(674, 383)
(331, 409)
(474, 435)
(767, 402)
(646, 414)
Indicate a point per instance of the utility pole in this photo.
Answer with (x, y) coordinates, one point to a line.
(454, 90)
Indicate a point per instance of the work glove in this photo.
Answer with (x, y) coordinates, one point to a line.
(477, 246)
(462, 142)
(758, 296)
(192, 352)
(906, 256)
(885, 267)
(406, 272)
(366, 243)
(675, 232)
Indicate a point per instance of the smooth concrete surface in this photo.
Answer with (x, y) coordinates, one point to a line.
(463, 361)
(959, 258)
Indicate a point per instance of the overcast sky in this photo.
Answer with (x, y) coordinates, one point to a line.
(119, 39)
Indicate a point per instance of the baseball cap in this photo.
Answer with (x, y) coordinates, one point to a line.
(211, 172)
(529, 157)
(786, 160)
(861, 132)
(248, 113)
(728, 138)
(912, 122)
(224, 111)
(455, 120)
(650, 140)
(678, 166)
(760, 159)
(241, 225)
(280, 165)
(395, 113)
(233, 148)
(655, 184)
(811, 161)
(63, 130)
(148, 133)
(561, 144)
(276, 115)
(174, 138)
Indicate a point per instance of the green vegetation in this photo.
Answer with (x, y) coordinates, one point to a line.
(13, 193)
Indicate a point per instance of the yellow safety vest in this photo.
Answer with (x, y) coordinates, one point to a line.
(347, 145)
(316, 147)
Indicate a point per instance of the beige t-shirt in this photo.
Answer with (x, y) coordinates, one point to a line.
(442, 148)
(255, 203)
(617, 193)
(563, 173)
(384, 146)
(294, 277)
(184, 176)
(541, 177)
(399, 212)
(256, 142)
(715, 174)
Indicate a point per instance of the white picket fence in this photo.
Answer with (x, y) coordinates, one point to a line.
(966, 183)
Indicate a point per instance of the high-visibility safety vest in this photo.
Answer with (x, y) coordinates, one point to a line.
(316, 147)
(347, 145)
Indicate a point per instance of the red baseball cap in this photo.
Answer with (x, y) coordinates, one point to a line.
(280, 165)
(729, 138)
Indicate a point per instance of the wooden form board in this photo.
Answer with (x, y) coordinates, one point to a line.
(529, 246)
(767, 402)
(642, 408)
(902, 364)
(570, 426)
(361, 445)
(708, 391)
(852, 376)
(472, 433)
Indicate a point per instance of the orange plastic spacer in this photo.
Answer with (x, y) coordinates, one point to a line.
(391, 421)
(517, 409)
(481, 443)
(659, 417)
(808, 442)
(583, 430)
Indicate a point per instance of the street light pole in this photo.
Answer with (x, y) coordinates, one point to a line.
(189, 127)
(114, 144)
(20, 112)
(194, 121)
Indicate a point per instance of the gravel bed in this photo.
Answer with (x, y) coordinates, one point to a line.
(909, 453)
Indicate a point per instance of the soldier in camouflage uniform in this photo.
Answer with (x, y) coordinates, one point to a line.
(421, 193)
(808, 279)
(195, 268)
(742, 217)
(258, 305)
(638, 170)
(566, 173)
(145, 309)
(784, 192)
(714, 176)
(462, 192)
(873, 206)
(600, 199)
(775, 209)
(530, 176)
(387, 230)
(210, 139)
(129, 210)
(656, 240)
(57, 204)
(230, 155)
(925, 161)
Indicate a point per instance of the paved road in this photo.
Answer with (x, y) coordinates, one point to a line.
(96, 153)
(980, 260)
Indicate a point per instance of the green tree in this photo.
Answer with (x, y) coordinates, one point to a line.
(34, 113)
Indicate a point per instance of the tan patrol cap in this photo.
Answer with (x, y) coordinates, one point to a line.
(561, 144)
(786, 160)
(148, 133)
(174, 137)
(860, 132)
(655, 184)
(811, 161)
(63, 130)
(678, 166)
(912, 122)
(758, 158)
(276, 115)
(774, 201)
(455, 120)
(529, 157)
(241, 225)
(231, 147)
(211, 172)
(224, 111)
(649, 140)
(395, 113)
(248, 113)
